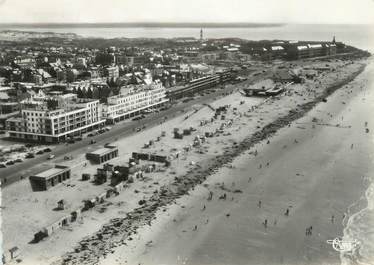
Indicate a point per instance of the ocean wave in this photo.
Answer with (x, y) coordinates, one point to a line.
(360, 226)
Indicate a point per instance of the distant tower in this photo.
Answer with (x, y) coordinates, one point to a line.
(333, 40)
(201, 34)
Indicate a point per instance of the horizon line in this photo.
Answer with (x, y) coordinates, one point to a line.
(144, 24)
(165, 24)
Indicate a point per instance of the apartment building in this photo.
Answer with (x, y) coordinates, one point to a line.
(199, 84)
(53, 119)
(132, 100)
(112, 72)
(311, 50)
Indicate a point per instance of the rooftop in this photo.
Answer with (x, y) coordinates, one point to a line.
(51, 172)
(103, 150)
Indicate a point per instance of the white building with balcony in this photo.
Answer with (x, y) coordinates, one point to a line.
(55, 119)
(132, 100)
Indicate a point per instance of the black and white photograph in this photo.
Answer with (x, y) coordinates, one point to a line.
(186, 132)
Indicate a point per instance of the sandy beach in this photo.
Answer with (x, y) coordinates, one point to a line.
(328, 176)
(318, 172)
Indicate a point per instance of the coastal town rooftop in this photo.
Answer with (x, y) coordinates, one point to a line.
(50, 172)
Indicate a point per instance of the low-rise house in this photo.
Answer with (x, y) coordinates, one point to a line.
(103, 154)
(50, 178)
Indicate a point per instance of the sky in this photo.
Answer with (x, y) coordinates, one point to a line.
(257, 11)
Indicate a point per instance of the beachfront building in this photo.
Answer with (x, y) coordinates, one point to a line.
(103, 154)
(49, 178)
(200, 84)
(277, 52)
(132, 100)
(330, 49)
(316, 50)
(310, 50)
(54, 119)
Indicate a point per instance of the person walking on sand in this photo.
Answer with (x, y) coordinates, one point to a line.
(195, 228)
(266, 223)
(204, 208)
(332, 219)
(249, 179)
(259, 204)
(210, 195)
(287, 212)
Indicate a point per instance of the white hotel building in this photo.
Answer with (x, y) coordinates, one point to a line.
(70, 116)
(132, 100)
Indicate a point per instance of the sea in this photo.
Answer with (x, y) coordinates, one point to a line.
(361, 36)
(360, 223)
(359, 226)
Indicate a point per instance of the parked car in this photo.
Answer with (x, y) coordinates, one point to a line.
(2, 165)
(18, 160)
(147, 111)
(78, 138)
(10, 162)
(30, 155)
(93, 141)
(51, 156)
(47, 149)
(188, 99)
(40, 152)
(138, 129)
(139, 117)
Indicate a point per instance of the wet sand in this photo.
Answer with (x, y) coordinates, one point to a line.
(320, 178)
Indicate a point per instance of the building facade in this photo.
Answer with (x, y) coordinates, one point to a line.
(54, 120)
(51, 177)
(103, 154)
(132, 100)
(112, 72)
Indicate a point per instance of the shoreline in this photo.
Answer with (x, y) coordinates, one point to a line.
(152, 240)
(360, 207)
(137, 218)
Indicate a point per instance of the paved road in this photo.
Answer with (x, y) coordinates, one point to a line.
(120, 130)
